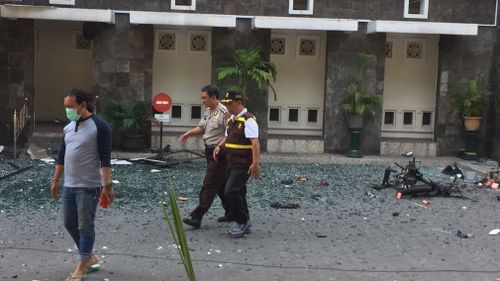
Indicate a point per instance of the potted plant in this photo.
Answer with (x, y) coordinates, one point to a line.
(248, 66)
(470, 103)
(359, 102)
(129, 124)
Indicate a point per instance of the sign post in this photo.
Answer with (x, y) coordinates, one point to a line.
(162, 103)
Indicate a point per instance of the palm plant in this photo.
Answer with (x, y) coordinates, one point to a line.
(470, 101)
(248, 66)
(359, 101)
(176, 229)
(131, 121)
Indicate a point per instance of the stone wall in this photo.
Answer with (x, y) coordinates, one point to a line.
(342, 49)
(243, 36)
(473, 11)
(123, 62)
(16, 74)
(461, 58)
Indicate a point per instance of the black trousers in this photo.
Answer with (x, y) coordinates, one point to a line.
(236, 194)
(213, 184)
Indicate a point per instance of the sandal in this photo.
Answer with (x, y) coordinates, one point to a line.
(71, 277)
(95, 267)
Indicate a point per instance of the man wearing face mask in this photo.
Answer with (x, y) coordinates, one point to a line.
(85, 161)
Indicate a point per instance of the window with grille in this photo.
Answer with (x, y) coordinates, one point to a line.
(312, 116)
(177, 111)
(195, 112)
(427, 119)
(274, 114)
(416, 9)
(408, 118)
(189, 5)
(389, 118)
(293, 115)
(300, 7)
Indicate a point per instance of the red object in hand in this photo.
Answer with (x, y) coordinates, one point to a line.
(104, 202)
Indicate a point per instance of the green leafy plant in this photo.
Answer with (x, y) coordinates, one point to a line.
(359, 101)
(248, 66)
(129, 121)
(176, 229)
(470, 101)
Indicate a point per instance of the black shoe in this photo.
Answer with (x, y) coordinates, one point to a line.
(223, 219)
(239, 229)
(192, 222)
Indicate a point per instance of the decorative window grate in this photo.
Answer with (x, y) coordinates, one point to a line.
(414, 50)
(307, 47)
(166, 41)
(388, 49)
(278, 46)
(199, 42)
(82, 43)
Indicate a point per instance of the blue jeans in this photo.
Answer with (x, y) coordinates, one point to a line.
(79, 207)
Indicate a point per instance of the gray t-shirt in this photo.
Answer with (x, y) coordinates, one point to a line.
(85, 149)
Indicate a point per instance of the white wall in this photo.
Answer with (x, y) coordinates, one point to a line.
(59, 66)
(181, 73)
(300, 84)
(410, 85)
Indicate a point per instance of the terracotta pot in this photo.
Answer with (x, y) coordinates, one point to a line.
(472, 123)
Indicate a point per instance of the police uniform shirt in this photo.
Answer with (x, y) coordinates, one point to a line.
(251, 126)
(214, 124)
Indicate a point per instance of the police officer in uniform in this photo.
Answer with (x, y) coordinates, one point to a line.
(242, 149)
(212, 125)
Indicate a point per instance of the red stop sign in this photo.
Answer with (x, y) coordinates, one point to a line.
(162, 102)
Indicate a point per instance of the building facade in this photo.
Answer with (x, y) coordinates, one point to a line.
(426, 50)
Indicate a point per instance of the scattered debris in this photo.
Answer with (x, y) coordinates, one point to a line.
(155, 171)
(48, 160)
(183, 199)
(426, 202)
(498, 197)
(464, 235)
(322, 183)
(278, 205)
(1, 148)
(399, 195)
(287, 181)
(115, 181)
(302, 179)
(494, 231)
(18, 171)
(321, 235)
(395, 214)
(371, 195)
(120, 162)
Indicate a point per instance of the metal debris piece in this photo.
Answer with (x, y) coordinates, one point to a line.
(287, 181)
(278, 205)
(16, 172)
(322, 183)
(464, 235)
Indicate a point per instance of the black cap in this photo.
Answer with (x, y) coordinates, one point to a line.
(231, 95)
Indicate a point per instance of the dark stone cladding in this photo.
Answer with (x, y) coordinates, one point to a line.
(341, 51)
(123, 61)
(243, 36)
(16, 74)
(466, 11)
(462, 58)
